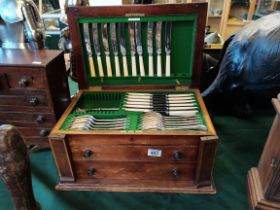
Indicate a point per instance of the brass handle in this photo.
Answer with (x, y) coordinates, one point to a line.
(33, 101)
(23, 82)
(44, 133)
(88, 153)
(91, 171)
(40, 119)
(175, 173)
(177, 155)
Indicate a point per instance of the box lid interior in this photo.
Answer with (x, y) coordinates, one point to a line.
(186, 44)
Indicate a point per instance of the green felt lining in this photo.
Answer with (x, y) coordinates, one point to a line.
(101, 100)
(182, 51)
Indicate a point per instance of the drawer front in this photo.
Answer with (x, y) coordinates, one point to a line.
(134, 153)
(157, 140)
(134, 170)
(34, 132)
(26, 78)
(34, 100)
(27, 119)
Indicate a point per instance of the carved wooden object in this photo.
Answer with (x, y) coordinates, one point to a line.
(15, 168)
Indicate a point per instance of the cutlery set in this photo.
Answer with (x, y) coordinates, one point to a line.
(117, 39)
(165, 104)
(156, 121)
(89, 122)
(153, 111)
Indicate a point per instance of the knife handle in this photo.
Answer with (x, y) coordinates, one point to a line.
(159, 65)
(183, 113)
(142, 69)
(167, 66)
(91, 67)
(151, 66)
(133, 66)
(125, 69)
(100, 67)
(117, 65)
(109, 67)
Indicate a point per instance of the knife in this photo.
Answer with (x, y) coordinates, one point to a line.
(115, 48)
(150, 48)
(158, 45)
(132, 48)
(186, 113)
(97, 49)
(106, 48)
(168, 27)
(89, 50)
(139, 48)
(122, 37)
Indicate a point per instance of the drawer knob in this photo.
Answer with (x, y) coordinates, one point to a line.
(175, 173)
(40, 119)
(23, 82)
(33, 101)
(44, 133)
(177, 155)
(91, 171)
(87, 153)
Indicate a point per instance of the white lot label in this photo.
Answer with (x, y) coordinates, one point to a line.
(154, 152)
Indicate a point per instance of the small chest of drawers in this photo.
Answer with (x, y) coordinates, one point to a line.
(34, 92)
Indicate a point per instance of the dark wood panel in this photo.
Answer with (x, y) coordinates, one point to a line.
(134, 153)
(134, 170)
(27, 58)
(61, 157)
(206, 157)
(76, 140)
(58, 86)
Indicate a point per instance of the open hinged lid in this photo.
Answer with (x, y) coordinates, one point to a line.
(157, 31)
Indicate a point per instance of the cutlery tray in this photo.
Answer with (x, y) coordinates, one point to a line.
(102, 141)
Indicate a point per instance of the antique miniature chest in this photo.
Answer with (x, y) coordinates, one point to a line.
(33, 92)
(136, 125)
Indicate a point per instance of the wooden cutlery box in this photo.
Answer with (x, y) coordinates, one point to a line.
(153, 53)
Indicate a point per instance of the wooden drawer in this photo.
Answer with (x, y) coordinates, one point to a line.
(134, 153)
(23, 119)
(135, 170)
(35, 100)
(23, 78)
(34, 132)
(132, 139)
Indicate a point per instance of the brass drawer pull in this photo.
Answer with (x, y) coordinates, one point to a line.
(34, 101)
(44, 133)
(23, 82)
(177, 155)
(175, 173)
(91, 171)
(88, 153)
(40, 119)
